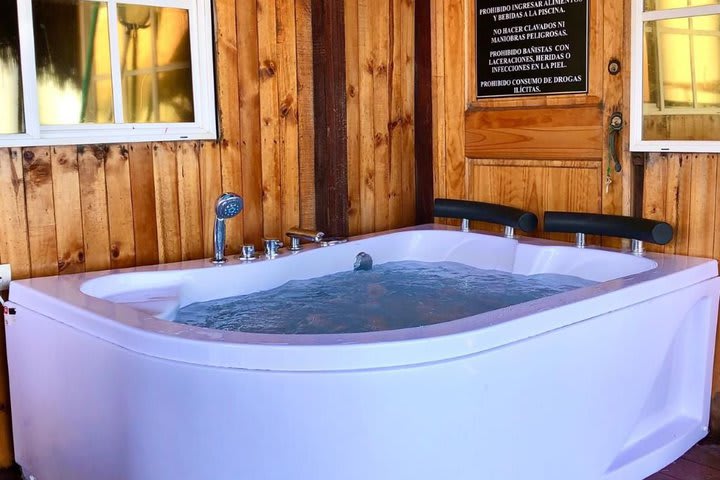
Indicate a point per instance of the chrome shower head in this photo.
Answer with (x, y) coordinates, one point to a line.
(228, 205)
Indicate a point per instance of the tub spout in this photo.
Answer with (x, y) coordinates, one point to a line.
(228, 205)
(296, 234)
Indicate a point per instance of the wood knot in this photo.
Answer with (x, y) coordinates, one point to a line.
(62, 159)
(380, 139)
(81, 256)
(370, 66)
(100, 152)
(382, 69)
(124, 153)
(114, 250)
(286, 106)
(351, 91)
(28, 155)
(398, 121)
(268, 69)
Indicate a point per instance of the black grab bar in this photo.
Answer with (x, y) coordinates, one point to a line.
(638, 229)
(467, 210)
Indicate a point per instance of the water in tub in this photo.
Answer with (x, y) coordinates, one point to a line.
(390, 296)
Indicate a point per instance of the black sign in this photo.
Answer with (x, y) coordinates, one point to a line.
(531, 47)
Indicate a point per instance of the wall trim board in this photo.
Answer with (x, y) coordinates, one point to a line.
(423, 114)
(330, 108)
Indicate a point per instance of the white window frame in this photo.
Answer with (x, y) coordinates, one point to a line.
(637, 144)
(204, 126)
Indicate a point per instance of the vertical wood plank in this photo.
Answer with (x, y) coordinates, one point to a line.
(93, 197)
(331, 182)
(703, 204)
(288, 115)
(68, 214)
(190, 201)
(142, 190)
(229, 98)
(682, 164)
(407, 160)
(250, 151)
(381, 110)
(396, 125)
(120, 206)
(614, 40)
(166, 202)
(367, 67)
(42, 240)
(14, 243)
(437, 66)
(352, 80)
(210, 190)
(454, 57)
(306, 117)
(654, 192)
(269, 124)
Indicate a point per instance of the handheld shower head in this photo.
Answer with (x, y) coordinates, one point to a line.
(227, 206)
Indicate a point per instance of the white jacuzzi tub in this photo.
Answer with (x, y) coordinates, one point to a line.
(610, 381)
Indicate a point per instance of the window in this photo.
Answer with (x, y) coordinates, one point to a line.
(103, 71)
(675, 92)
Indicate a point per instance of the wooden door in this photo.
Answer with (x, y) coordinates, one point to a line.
(542, 152)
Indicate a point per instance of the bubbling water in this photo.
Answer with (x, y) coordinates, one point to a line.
(390, 296)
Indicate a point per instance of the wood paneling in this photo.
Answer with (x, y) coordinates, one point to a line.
(547, 133)
(536, 186)
(681, 127)
(331, 165)
(380, 91)
(498, 135)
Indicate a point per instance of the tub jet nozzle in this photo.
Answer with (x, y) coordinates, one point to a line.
(363, 261)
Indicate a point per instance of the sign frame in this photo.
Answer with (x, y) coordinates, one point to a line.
(482, 54)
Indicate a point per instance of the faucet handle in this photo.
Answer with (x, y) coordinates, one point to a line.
(296, 234)
(248, 252)
(272, 245)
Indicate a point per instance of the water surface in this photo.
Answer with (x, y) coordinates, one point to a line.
(390, 296)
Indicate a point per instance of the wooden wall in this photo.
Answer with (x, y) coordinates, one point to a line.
(94, 207)
(544, 152)
(380, 58)
(69, 209)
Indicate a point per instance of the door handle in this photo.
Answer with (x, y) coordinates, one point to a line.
(616, 124)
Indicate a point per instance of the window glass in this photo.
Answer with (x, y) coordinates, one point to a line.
(669, 4)
(11, 103)
(681, 78)
(155, 63)
(72, 57)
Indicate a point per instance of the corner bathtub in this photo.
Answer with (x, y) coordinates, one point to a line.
(610, 381)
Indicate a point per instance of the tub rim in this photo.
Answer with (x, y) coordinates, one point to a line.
(128, 328)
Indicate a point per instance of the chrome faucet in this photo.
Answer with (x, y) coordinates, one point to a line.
(296, 234)
(228, 205)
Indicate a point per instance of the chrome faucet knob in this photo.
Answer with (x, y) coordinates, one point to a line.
(248, 252)
(272, 245)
